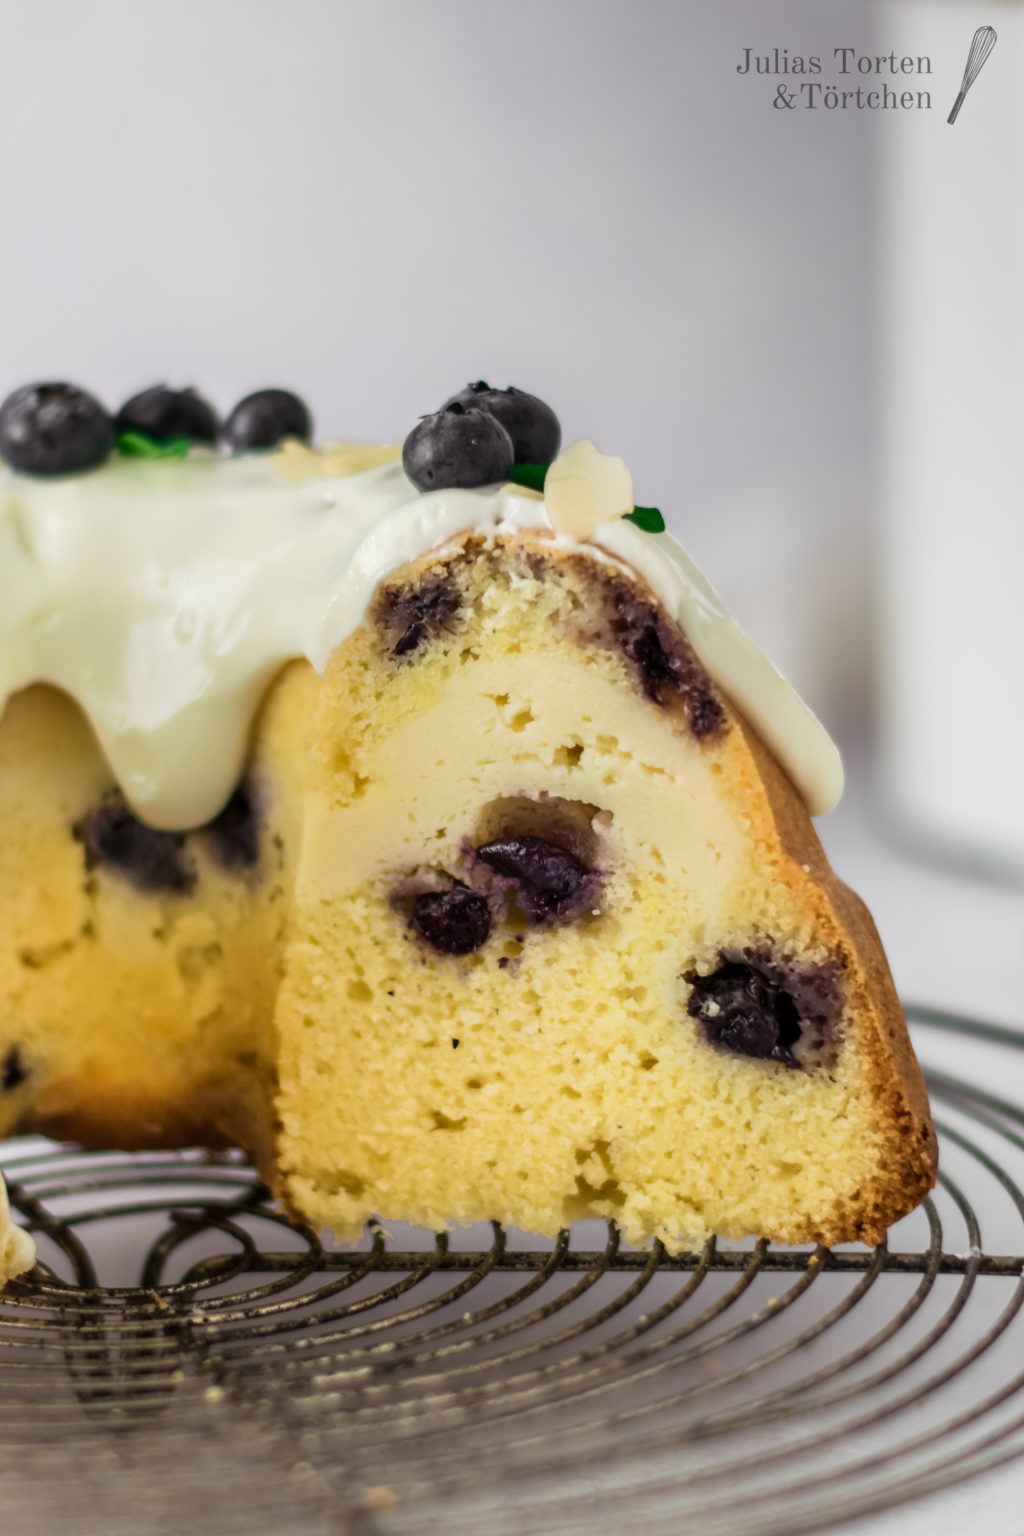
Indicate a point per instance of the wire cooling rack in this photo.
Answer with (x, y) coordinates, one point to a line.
(182, 1355)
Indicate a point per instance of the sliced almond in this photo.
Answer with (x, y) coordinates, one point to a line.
(585, 488)
(296, 461)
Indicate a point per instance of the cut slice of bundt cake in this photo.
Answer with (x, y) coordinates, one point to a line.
(428, 828)
(565, 943)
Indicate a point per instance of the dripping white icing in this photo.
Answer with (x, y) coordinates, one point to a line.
(164, 595)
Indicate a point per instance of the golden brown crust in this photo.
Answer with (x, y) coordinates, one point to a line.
(911, 1147)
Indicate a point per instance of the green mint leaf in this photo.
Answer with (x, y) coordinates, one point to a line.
(530, 475)
(137, 445)
(647, 518)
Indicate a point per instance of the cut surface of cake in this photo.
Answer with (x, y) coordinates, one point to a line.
(433, 832)
(594, 960)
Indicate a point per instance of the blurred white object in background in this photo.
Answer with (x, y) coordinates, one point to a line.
(951, 531)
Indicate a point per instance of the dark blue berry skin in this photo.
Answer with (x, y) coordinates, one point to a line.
(552, 881)
(411, 615)
(163, 413)
(532, 425)
(745, 1010)
(266, 418)
(456, 447)
(233, 837)
(454, 922)
(13, 1071)
(54, 429)
(116, 840)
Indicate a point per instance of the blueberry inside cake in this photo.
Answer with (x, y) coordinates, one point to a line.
(427, 827)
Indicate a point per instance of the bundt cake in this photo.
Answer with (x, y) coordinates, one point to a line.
(429, 829)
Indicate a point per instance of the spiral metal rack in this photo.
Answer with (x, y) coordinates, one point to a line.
(252, 1381)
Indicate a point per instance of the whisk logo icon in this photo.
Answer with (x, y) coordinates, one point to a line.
(982, 43)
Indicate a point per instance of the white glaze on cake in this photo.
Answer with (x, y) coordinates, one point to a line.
(164, 595)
